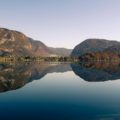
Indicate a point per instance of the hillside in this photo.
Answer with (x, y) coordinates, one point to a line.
(109, 54)
(16, 43)
(92, 45)
(60, 51)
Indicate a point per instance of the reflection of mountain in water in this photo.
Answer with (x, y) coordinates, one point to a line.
(97, 71)
(17, 75)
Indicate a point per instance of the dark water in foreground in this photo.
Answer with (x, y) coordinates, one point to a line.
(89, 91)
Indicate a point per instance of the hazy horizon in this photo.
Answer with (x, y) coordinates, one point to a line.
(63, 23)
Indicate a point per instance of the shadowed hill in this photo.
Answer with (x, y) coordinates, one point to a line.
(92, 45)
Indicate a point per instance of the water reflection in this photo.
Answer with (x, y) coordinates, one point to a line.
(97, 71)
(15, 76)
(60, 96)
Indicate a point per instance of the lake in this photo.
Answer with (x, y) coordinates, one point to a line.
(60, 91)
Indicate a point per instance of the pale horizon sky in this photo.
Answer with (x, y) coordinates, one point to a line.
(62, 23)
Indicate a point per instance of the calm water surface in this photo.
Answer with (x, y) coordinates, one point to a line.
(60, 91)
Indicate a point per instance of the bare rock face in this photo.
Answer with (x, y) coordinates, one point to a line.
(18, 44)
(14, 42)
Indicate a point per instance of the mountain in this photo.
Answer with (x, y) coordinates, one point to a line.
(60, 51)
(16, 43)
(114, 49)
(111, 53)
(92, 45)
(39, 48)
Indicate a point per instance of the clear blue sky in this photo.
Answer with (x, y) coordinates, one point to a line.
(62, 23)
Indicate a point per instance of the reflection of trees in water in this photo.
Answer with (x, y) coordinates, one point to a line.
(97, 71)
(17, 75)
